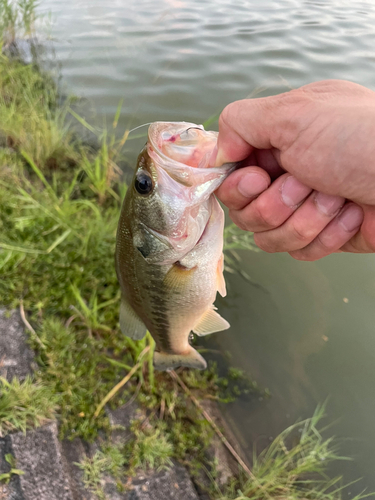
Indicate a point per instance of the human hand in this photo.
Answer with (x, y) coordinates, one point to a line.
(307, 185)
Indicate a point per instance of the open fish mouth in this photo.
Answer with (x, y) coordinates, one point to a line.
(181, 152)
(182, 142)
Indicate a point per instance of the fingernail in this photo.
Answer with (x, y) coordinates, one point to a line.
(212, 160)
(327, 204)
(351, 218)
(293, 192)
(252, 184)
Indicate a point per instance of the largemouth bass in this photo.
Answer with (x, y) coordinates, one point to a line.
(169, 249)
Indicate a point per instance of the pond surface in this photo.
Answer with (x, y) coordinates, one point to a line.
(304, 330)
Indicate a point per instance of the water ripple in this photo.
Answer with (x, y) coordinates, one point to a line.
(188, 59)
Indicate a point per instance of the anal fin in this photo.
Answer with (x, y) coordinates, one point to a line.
(130, 324)
(210, 322)
(221, 287)
(192, 359)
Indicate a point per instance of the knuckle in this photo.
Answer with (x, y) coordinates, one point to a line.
(241, 222)
(326, 244)
(262, 214)
(303, 233)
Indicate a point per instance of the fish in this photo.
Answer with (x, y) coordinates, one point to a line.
(169, 245)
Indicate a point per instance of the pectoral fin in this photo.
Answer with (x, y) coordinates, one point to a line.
(210, 322)
(222, 289)
(192, 359)
(130, 324)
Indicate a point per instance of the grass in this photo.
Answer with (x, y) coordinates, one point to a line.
(109, 460)
(6, 477)
(33, 123)
(150, 448)
(17, 19)
(25, 404)
(293, 467)
(59, 206)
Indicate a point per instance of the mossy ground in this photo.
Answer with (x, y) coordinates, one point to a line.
(59, 206)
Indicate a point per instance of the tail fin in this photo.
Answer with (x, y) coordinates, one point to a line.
(164, 361)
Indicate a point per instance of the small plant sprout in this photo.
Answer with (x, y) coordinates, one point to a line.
(7, 476)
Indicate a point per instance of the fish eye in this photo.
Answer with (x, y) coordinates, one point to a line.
(143, 183)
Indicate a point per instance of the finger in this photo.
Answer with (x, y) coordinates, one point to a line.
(338, 232)
(273, 207)
(303, 226)
(242, 186)
(364, 240)
(262, 123)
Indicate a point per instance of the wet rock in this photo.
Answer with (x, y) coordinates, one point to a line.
(21, 49)
(74, 452)
(226, 465)
(121, 419)
(171, 484)
(16, 358)
(124, 415)
(38, 455)
(111, 491)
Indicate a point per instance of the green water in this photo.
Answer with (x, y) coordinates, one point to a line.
(304, 330)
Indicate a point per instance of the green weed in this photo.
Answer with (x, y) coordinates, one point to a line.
(93, 469)
(294, 466)
(237, 240)
(27, 10)
(109, 460)
(17, 19)
(102, 170)
(25, 404)
(149, 449)
(7, 476)
(75, 365)
(33, 122)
